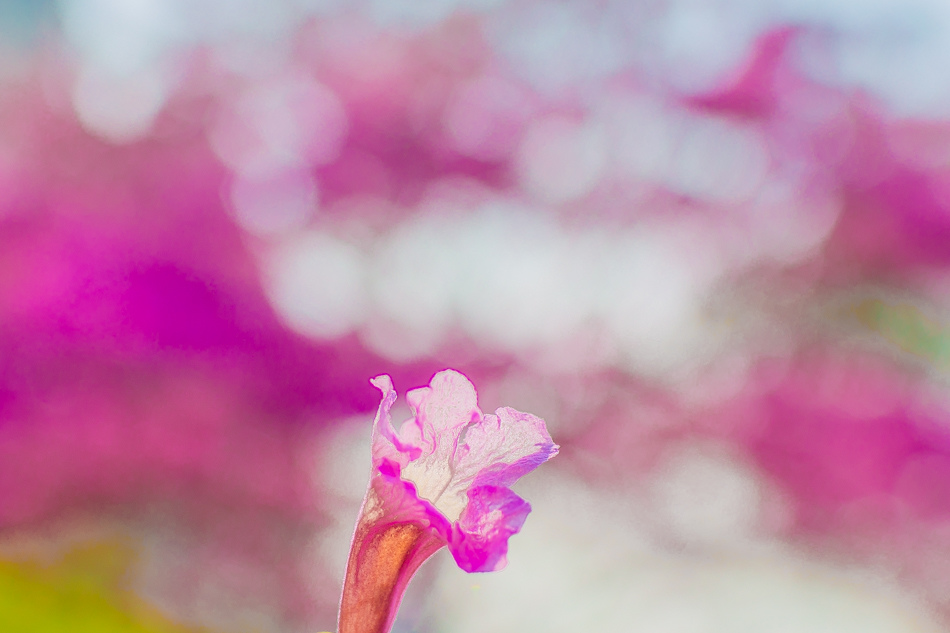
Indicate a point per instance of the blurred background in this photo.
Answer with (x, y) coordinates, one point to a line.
(708, 241)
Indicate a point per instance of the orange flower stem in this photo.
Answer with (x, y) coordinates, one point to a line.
(383, 558)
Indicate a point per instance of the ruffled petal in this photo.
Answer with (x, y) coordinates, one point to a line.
(496, 451)
(448, 446)
(442, 479)
(446, 405)
(449, 467)
(480, 540)
(387, 444)
(442, 411)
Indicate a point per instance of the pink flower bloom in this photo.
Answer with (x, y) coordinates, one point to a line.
(442, 479)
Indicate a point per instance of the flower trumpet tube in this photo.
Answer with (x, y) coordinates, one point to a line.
(441, 480)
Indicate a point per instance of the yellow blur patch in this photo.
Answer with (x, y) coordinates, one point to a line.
(86, 591)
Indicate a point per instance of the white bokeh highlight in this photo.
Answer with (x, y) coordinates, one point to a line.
(275, 205)
(561, 160)
(518, 280)
(285, 124)
(120, 108)
(317, 283)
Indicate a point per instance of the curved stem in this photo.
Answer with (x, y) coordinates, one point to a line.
(383, 557)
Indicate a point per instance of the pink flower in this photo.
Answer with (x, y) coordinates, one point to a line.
(442, 479)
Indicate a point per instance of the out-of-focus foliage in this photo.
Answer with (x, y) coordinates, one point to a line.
(86, 591)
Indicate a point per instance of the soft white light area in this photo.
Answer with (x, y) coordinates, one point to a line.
(709, 158)
(120, 108)
(419, 14)
(411, 13)
(413, 277)
(484, 117)
(228, 590)
(255, 58)
(782, 224)
(583, 563)
(698, 43)
(416, 270)
(561, 159)
(284, 124)
(686, 44)
(342, 464)
(886, 46)
(317, 284)
(642, 135)
(651, 292)
(221, 20)
(504, 273)
(703, 496)
(557, 45)
(903, 71)
(785, 222)
(122, 36)
(518, 289)
(398, 342)
(521, 281)
(319, 7)
(342, 461)
(718, 160)
(518, 280)
(269, 206)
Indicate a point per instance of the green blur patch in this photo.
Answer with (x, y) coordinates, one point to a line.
(907, 327)
(86, 591)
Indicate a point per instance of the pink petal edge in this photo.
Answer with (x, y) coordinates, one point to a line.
(478, 540)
